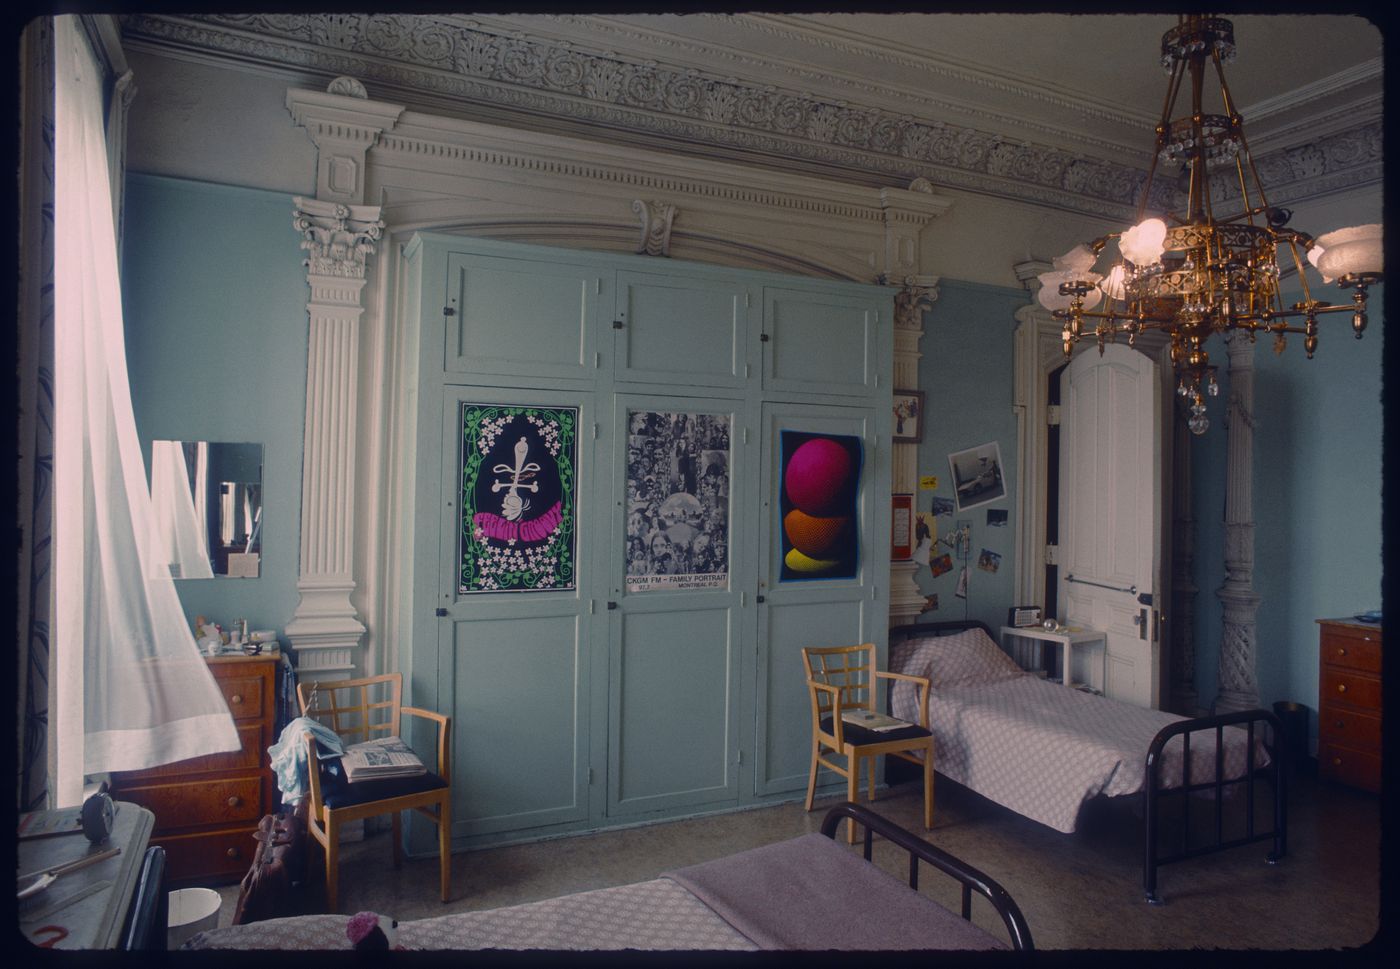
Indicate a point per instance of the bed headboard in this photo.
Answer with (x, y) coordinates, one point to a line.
(944, 627)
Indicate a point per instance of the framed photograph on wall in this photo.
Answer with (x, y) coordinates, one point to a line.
(977, 477)
(901, 528)
(908, 416)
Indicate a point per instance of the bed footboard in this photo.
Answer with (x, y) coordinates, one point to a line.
(1154, 793)
(919, 849)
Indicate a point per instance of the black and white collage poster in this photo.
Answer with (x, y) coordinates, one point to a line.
(677, 501)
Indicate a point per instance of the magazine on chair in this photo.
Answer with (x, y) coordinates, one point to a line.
(380, 758)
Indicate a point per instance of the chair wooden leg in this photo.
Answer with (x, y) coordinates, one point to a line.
(852, 792)
(445, 846)
(928, 787)
(812, 774)
(332, 861)
(397, 821)
(870, 779)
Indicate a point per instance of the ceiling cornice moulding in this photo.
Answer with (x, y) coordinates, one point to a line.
(555, 85)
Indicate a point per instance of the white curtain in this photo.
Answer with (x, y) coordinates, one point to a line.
(179, 533)
(133, 691)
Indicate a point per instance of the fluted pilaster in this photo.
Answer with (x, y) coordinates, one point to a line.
(1184, 698)
(917, 294)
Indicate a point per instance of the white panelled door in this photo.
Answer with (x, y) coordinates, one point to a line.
(1110, 500)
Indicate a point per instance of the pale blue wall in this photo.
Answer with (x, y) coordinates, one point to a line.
(214, 296)
(1317, 502)
(965, 373)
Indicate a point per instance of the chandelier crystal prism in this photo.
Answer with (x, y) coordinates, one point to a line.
(1200, 273)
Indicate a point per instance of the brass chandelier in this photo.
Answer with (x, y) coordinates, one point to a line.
(1196, 275)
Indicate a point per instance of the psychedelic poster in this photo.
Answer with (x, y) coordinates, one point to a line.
(518, 492)
(819, 484)
(677, 501)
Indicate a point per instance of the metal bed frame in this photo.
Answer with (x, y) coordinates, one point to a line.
(971, 879)
(1154, 795)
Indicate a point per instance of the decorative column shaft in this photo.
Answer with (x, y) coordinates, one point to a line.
(324, 630)
(917, 294)
(1239, 688)
(1184, 699)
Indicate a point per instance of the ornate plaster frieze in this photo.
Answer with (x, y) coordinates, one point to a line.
(337, 237)
(456, 61)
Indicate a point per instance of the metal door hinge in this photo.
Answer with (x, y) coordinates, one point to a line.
(611, 604)
(1052, 415)
(441, 612)
(763, 338)
(448, 311)
(617, 324)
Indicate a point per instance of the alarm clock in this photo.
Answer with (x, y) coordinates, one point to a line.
(98, 816)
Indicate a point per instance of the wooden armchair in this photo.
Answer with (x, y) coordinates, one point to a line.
(360, 710)
(842, 680)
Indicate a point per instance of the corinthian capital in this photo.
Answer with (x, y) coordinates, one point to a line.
(337, 237)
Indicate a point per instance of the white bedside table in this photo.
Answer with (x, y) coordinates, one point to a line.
(1069, 639)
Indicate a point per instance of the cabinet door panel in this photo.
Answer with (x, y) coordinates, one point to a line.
(784, 753)
(674, 682)
(681, 331)
(800, 612)
(819, 344)
(520, 318)
(518, 749)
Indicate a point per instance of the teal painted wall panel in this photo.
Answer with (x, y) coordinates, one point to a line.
(214, 296)
(1317, 503)
(966, 375)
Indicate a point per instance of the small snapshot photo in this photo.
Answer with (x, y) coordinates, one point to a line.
(909, 416)
(977, 478)
(940, 565)
(989, 561)
(996, 517)
(942, 506)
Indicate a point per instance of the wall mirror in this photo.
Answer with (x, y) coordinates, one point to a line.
(206, 499)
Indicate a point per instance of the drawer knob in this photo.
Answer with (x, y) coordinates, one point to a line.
(1341, 687)
(1339, 724)
(235, 801)
(1341, 650)
(236, 698)
(232, 853)
(1336, 762)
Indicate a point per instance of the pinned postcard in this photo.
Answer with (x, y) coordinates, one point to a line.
(928, 482)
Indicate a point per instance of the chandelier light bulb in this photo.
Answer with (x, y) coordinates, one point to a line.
(1112, 284)
(1144, 243)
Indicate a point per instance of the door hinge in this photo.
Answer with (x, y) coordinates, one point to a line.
(763, 338)
(739, 756)
(612, 604)
(617, 324)
(741, 598)
(1052, 415)
(1052, 555)
(441, 612)
(448, 311)
(590, 776)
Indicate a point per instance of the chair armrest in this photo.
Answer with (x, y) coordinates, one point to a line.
(444, 724)
(922, 694)
(835, 709)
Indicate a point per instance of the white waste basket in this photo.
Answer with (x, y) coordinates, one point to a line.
(192, 910)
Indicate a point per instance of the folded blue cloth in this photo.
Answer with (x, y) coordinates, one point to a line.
(289, 756)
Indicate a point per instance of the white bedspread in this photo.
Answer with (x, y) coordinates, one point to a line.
(1035, 746)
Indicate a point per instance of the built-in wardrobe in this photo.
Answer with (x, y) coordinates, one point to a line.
(643, 658)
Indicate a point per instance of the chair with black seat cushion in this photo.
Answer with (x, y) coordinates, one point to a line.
(358, 711)
(842, 683)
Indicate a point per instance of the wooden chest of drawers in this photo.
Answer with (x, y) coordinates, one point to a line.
(1349, 703)
(207, 808)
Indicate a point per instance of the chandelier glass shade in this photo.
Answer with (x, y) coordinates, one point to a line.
(1199, 272)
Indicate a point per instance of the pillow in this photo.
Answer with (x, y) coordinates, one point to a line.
(962, 659)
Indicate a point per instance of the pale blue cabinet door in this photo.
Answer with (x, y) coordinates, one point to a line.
(514, 668)
(518, 317)
(809, 612)
(675, 635)
(819, 343)
(680, 330)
